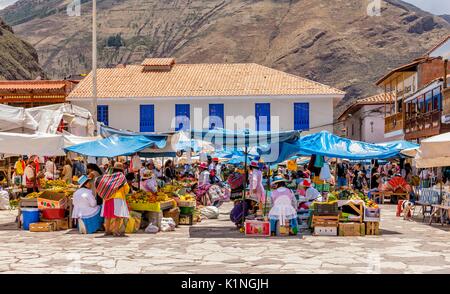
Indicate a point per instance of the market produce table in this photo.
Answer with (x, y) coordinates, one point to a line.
(154, 206)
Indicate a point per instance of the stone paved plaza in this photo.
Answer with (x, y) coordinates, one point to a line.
(214, 246)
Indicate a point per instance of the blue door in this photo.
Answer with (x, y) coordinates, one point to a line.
(301, 116)
(102, 114)
(147, 118)
(182, 116)
(262, 116)
(215, 116)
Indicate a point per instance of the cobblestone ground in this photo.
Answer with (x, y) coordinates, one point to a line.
(214, 246)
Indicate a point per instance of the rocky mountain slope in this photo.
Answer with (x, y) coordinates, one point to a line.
(18, 59)
(446, 17)
(334, 42)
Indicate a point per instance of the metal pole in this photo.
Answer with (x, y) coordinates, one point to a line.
(245, 180)
(94, 63)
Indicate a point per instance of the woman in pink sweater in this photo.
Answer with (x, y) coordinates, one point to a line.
(283, 207)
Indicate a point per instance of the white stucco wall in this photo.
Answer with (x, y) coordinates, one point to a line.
(363, 130)
(124, 112)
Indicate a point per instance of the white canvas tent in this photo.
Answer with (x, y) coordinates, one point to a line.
(46, 119)
(34, 131)
(433, 152)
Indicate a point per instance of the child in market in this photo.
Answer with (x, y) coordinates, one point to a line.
(284, 207)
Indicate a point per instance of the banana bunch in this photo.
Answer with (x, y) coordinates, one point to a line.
(33, 195)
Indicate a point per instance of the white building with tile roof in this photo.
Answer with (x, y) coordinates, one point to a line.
(161, 95)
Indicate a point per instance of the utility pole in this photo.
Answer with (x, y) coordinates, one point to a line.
(94, 63)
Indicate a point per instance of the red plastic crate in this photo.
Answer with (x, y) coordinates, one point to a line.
(53, 213)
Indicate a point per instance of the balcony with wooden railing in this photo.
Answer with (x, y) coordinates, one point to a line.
(423, 125)
(393, 123)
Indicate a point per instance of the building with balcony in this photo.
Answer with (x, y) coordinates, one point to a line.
(32, 93)
(409, 82)
(423, 112)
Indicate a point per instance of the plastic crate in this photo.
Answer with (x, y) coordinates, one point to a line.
(325, 231)
(187, 210)
(186, 220)
(53, 213)
(326, 208)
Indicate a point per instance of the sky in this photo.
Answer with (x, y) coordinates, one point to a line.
(434, 6)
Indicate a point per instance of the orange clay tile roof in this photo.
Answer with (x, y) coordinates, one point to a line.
(158, 62)
(31, 85)
(379, 99)
(194, 80)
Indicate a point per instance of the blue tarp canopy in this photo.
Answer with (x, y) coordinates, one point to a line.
(326, 144)
(237, 139)
(399, 145)
(117, 145)
(184, 143)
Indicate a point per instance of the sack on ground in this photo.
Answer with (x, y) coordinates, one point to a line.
(210, 212)
(4, 200)
(167, 224)
(151, 229)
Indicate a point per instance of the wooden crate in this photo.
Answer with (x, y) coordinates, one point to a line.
(60, 224)
(352, 229)
(372, 228)
(43, 227)
(325, 221)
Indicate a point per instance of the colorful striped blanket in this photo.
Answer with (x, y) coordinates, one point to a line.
(107, 185)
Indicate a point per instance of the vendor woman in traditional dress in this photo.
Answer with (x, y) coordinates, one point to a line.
(85, 207)
(256, 187)
(283, 207)
(113, 188)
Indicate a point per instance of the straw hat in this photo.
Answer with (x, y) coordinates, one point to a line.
(118, 165)
(278, 179)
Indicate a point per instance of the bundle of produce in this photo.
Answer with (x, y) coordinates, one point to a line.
(371, 204)
(161, 196)
(141, 197)
(49, 184)
(33, 195)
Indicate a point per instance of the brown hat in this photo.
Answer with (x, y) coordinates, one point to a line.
(118, 165)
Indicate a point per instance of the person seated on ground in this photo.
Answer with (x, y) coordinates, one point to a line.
(85, 208)
(131, 181)
(284, 207)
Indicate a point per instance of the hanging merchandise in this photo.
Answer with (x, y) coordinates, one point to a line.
(136, 163)
(292, 165)
(325, 173)
(319, 161)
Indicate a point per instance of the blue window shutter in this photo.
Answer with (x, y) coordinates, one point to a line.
(182, 116)
(262, 116)
(216, 116)
(147, 118)
(102, 114)
(301, 116)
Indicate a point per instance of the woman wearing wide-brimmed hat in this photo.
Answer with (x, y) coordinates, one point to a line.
(284, 207)
(113, 189)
